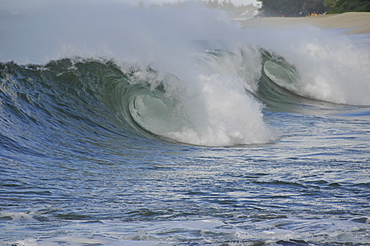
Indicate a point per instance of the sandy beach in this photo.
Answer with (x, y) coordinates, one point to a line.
(357, 22)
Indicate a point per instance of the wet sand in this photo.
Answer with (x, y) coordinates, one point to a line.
(356, 22)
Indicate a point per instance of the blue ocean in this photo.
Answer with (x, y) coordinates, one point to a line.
(122, 125)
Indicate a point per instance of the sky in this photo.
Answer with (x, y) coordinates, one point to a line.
(26, 4)
(236, 2)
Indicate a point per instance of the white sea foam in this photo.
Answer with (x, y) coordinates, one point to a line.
(210, 231)
(17, 216)
(221, 114)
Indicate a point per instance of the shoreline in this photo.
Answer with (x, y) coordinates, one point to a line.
(357, 22)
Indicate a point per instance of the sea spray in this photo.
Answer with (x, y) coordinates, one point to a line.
(167, 38)
(331, 66)
(335, 74)
(215, 108)
(223, 114)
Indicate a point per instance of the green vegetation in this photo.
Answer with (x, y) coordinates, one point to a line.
(307, 7)
(330, 3)
(342, 6)
(279, 7)
(292, 7)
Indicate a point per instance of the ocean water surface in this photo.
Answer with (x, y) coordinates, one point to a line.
(128, 126)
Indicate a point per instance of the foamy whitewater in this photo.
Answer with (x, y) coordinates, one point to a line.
(122, 125)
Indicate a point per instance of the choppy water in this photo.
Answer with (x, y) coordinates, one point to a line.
(180, 131)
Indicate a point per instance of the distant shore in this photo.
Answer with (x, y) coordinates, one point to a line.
(357, 22)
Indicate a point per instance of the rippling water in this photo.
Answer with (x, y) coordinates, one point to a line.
(232, 139)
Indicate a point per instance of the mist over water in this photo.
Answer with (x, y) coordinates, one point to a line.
(168, 39)
(114, 30)
(177, 126)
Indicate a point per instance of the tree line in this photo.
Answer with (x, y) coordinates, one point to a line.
(341, 6)
(234, 10)
(306, 7)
